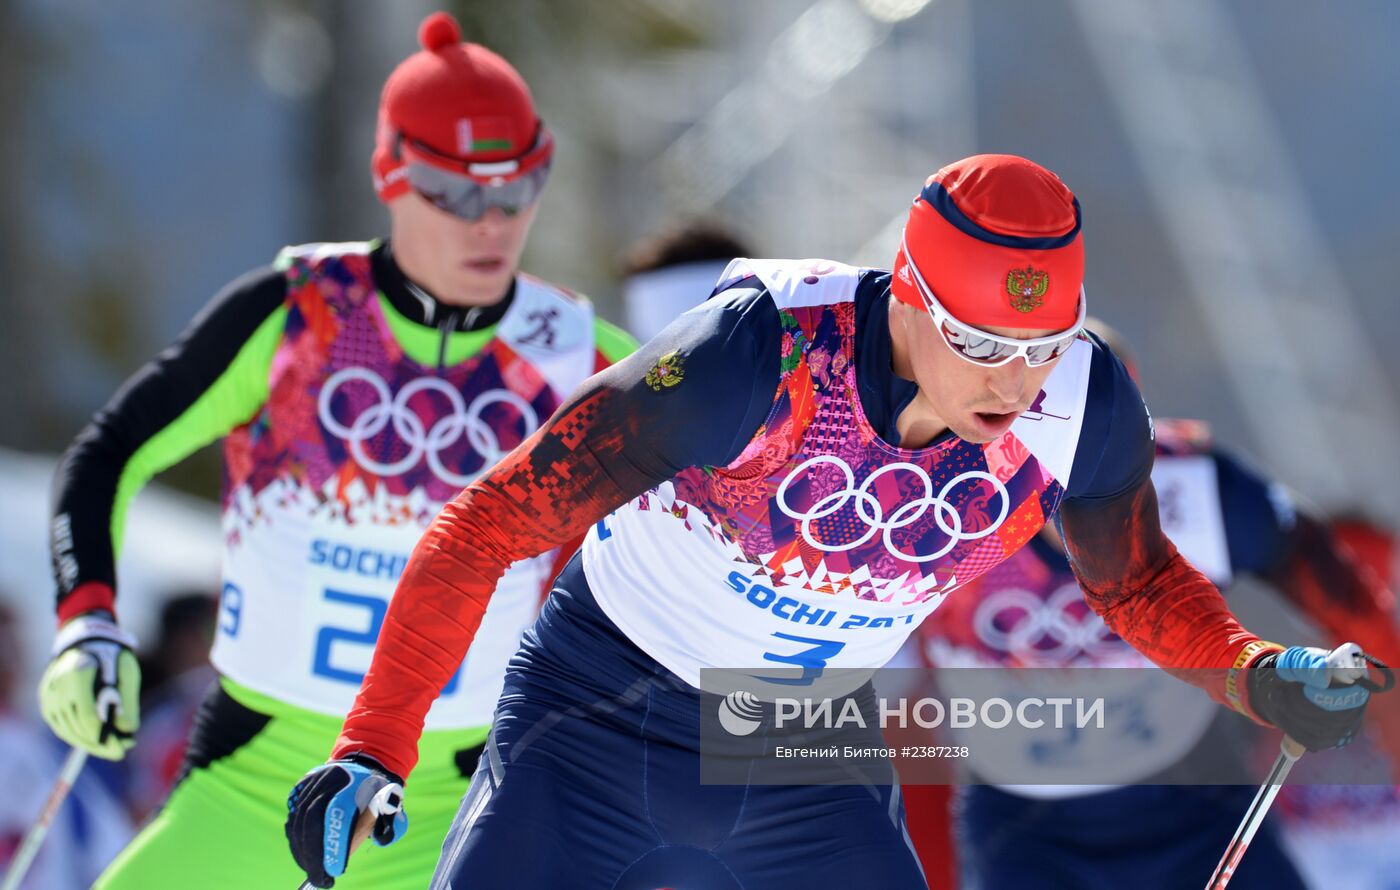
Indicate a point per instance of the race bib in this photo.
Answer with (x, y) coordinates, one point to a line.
(708, 611)
(300, 615)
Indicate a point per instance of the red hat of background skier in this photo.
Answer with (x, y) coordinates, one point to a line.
(458, 106)
(997, 240)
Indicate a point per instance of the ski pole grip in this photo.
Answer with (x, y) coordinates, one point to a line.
(1387, 675)
(363, 826)
(108, 703)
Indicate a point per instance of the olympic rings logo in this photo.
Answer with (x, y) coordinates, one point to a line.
(1017, 622)
(872, 512)
(430, 442)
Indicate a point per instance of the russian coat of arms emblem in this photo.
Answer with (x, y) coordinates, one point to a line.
(1027, 288)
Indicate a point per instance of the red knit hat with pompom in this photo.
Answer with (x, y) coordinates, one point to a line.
(459, 106)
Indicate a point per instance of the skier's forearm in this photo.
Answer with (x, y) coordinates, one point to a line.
(1154, 599)
(547, 492)
(1181, 622)
(623, 432)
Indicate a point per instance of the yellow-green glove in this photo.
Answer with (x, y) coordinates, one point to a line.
(90, 692)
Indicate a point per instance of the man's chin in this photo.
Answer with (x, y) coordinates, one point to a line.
(969, 433)
(987, 426)
(477, 289)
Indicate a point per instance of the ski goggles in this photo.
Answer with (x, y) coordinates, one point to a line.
(987, 349)
(509, 186)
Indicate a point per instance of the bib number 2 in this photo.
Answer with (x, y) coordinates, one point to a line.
(333, 643)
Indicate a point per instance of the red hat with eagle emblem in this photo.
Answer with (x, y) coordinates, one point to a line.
(997, 240)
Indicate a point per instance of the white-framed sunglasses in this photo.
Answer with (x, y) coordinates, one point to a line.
(987, 349)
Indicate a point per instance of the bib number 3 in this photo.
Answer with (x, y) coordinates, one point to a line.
(812, 659)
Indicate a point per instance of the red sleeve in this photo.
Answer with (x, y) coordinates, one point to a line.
(618, 436)
(546, 492)
(1149, 595)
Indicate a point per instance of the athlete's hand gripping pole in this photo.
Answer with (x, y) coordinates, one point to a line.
(90, 692)
(356, 793)
(363, 826)
(1343, 666)
(110, 701)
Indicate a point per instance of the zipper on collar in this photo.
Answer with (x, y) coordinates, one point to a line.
(445, 329)
(428, 303)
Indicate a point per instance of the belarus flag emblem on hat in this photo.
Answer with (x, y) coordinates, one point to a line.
(483, 134)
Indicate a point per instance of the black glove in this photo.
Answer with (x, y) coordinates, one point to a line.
(325, 806)
(1317, 698)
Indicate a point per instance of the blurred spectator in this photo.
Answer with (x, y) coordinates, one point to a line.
(176, 675)
(668, 273)
(181, 647)
(90, 828)
(11, 660)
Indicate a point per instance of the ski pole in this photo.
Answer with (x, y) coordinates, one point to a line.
(1259, 808)
(34, 838)
(1254, 816)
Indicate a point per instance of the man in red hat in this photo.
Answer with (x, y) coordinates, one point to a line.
(785, 482)
(357, 387)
